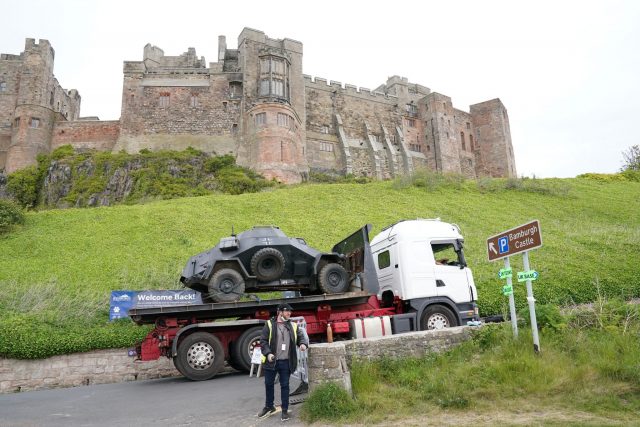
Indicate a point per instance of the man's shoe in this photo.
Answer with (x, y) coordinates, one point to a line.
(266, 412)
(285, 415)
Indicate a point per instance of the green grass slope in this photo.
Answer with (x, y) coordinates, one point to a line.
(57, 270)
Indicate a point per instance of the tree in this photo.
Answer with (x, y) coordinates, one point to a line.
(631, 158)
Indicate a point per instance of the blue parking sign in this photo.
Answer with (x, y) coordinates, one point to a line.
(503, 244)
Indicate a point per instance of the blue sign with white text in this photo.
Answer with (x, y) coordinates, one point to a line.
(503, 244)
(123, 301)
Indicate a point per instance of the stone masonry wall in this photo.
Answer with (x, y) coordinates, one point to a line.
(97, 135)
(332, 362)
(95, 367)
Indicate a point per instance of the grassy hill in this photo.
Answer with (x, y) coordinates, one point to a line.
(57, 270)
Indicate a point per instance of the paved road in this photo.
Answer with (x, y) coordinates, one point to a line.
(228, 400)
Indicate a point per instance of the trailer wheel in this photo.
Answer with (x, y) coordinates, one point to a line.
(226, 285)
(200, 356)
(242, 349)
(437, 317)
(267, 264)
(333, 279)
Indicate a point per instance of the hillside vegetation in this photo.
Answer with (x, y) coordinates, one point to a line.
(57, 270)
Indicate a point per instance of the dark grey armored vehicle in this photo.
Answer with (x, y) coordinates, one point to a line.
(264, 259)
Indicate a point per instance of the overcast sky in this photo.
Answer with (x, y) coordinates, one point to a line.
(568, 72)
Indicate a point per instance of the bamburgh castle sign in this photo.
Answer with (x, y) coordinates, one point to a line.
(256, 104)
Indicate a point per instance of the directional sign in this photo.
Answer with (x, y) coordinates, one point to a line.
(523, 276)
(504, 273)
(507, 290)
(519, 239)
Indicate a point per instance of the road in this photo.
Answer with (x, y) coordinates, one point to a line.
(229, 400)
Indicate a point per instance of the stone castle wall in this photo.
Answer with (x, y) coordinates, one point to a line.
(173, 102)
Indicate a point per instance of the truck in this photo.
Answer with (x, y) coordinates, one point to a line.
(411, 276)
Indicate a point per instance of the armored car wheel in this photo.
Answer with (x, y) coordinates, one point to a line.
(333, 279)
(437, 317)
(242, 349)
(200, 356)
(226, 285)
(267, 264)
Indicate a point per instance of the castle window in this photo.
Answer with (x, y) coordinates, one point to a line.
(428, 148)
(411, 123)
(16, 122)
(274, 77)
(3, 86)
(324, 129)
(194, 100)
(326, 146)
(34, 122)
(283, 120)
(462, 140)
(261, 119)
(164, 99)
(51, 98)
(415, 147)
(468, 125)
(235, 90)
(412, 109)
(234, 129)
(471, 142)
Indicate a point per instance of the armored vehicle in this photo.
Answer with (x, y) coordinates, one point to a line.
(264, 259)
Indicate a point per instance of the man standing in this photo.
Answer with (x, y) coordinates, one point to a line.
(278, 343)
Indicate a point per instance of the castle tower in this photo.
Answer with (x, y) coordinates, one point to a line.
(494, 152)
(273, 136)
(38, 101)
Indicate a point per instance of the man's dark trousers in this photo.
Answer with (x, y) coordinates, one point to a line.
(282, 368)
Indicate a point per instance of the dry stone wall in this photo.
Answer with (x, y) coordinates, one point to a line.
(332, 362)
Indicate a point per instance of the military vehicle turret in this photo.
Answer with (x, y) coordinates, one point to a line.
(264, 259)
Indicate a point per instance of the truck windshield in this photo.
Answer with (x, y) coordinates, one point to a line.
(449, 253)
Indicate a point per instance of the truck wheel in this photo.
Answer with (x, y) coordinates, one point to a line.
(267, 264)
(437, 317)
(333, 279)
(226, 285)
(200, 356)
(242, 349)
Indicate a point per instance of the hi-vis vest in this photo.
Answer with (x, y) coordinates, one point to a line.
(295, 335)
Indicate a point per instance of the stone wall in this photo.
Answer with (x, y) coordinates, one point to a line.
(95, 367)
(97, 135)
(332, 362)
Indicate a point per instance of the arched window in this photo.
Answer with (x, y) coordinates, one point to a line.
(464, 148)
(471, 141)
(3, 86)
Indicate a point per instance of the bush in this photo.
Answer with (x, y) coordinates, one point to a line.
(24, 186)
(547, 317)
(62, 152)
(328, 402)
(214, 164)
(10, 214)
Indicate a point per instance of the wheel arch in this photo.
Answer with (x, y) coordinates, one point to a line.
(241, 325)
(420, 305)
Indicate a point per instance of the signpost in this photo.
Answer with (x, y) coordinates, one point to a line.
(519, 239)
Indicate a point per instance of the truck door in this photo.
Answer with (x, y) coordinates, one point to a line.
(450, 271)
(385, 261)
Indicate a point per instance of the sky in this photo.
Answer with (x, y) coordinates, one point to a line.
(568, 72)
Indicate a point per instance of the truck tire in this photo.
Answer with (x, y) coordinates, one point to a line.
(226, 285)
(267, 264)
(242, 349)
(333, 279)
(200, 356)
(437, 317)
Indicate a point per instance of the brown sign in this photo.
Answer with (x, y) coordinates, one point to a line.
(522, 238)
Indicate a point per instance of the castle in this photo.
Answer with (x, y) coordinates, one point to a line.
(256, 104)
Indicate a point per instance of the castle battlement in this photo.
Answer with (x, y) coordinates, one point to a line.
(348, 89)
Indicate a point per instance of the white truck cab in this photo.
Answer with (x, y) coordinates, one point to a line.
(421, 263)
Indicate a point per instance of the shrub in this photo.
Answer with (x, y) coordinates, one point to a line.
(547, 317)
(214, 164)
(10, 214)
(24, 186)
(62, 152)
